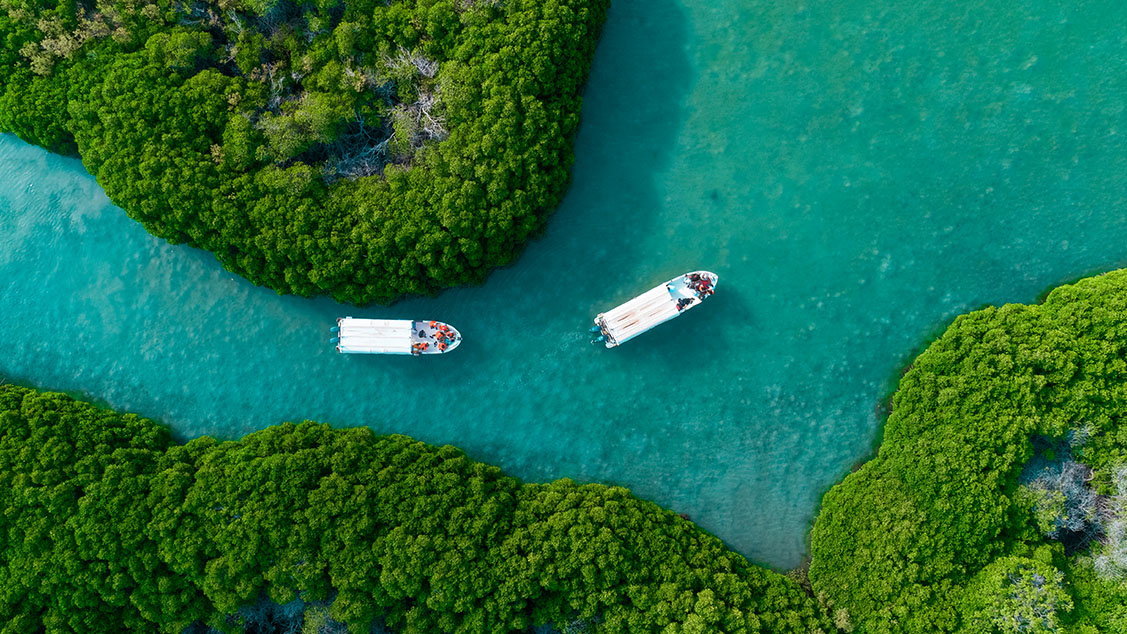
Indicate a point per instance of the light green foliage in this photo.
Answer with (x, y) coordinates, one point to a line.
(404, 130)
(177, 108)
(1048, 506)
(899, 541)
(240, 142)
(319, 621)
(1014, 595)
(107, 528)
(179, 50)
(1101, 604)
(1110, 555)
(315, 118)
(1056, 492)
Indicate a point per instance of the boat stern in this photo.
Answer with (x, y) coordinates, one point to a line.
(602, 334)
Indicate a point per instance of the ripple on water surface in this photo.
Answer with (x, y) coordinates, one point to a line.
(856, 172)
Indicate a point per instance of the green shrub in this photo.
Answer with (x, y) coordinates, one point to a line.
(899, 541)
(107, 527)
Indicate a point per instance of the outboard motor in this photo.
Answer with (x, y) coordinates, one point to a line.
(599, 339)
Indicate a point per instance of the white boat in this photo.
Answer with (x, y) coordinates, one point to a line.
(394, 336)
(655, 306)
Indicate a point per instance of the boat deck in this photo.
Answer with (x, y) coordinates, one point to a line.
(657, 305)
(432, 335)
(395, 336)
(681, 289)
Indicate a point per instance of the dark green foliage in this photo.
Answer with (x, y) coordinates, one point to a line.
(360, 149)
(1101, 604)
(108, 528)
(35, 108)
(71, 535)
(898, 542)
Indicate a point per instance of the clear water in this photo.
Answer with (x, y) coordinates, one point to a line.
(856, 172)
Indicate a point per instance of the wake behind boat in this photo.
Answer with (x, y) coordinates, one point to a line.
(394, 336)
(655, 306)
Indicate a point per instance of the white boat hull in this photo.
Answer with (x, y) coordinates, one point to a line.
(656, 306)
(395, 336)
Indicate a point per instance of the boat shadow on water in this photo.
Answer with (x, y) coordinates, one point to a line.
(698, 334)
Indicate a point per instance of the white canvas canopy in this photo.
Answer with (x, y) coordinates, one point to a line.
(640, 314)
(375, 336)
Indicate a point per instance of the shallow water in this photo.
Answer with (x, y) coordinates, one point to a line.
(857, 173)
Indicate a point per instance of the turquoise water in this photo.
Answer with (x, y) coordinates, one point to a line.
(857, 173)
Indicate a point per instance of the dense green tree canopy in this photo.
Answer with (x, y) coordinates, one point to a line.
(363, 149)
(108, 527)
(996, 503)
